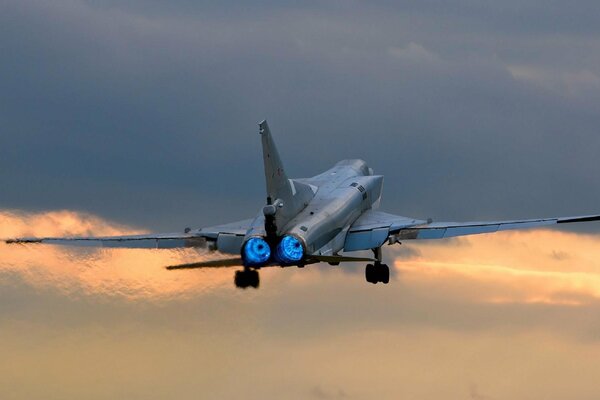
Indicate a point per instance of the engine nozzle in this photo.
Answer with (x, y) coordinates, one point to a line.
(256, 251)
(290, 250)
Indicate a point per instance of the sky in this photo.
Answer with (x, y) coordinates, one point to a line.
(133, 116)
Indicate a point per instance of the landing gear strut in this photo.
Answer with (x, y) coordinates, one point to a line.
(377, 272)
(246, 277)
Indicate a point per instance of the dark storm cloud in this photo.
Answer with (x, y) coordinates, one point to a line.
(146, 112)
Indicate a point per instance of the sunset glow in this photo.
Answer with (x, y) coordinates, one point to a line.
(539, 266)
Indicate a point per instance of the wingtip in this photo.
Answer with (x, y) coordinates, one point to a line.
(585, 218)
(21, 241)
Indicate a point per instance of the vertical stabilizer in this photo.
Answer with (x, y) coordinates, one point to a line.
(289, 196)
(278, 186)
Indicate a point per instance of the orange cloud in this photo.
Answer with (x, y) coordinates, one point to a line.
(538, 266)
(121, 273)
(15, 223)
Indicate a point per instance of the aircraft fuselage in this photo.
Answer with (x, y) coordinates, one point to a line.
(342, 194)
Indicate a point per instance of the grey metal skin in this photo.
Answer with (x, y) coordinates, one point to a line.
(318, 211)
(330, 213)
(344, 193)
(340, 200)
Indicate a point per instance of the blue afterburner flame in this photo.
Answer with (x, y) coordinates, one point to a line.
(256, 251)
(290, 250)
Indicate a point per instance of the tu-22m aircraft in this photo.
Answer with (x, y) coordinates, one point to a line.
(307, 221)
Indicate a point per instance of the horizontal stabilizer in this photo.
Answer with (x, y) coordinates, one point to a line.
(228, 262)
(336, 259)
(237, 262)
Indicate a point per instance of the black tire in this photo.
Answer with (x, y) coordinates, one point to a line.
(370, 273)
(240, 279)
(254, 279)
(384, 273)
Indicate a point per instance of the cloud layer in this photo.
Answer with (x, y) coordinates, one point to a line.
(457, 315)
(145, 112)
(469, 111)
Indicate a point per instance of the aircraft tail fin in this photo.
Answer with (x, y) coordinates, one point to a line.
(292, 195)
(278, 185)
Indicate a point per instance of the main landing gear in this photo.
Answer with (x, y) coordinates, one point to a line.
(377, 272)
(247, 277)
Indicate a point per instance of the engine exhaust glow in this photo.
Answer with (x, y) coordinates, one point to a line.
(290, 250)
(256, 251)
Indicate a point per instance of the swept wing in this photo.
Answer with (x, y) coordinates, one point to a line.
(374, 228)
(439, 230)
(222, 237)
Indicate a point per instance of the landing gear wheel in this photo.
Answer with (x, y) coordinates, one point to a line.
(377, 273)
(370, 273)
(246, 277)
(254, 278)
(240, 280)
(384, 273)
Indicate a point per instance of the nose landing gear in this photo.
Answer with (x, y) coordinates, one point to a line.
(247, 277)
(377, 272)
